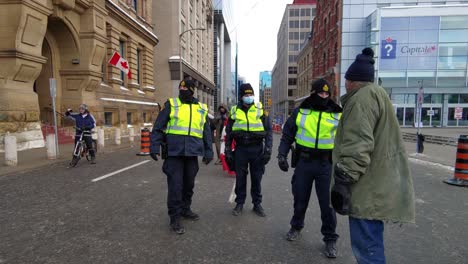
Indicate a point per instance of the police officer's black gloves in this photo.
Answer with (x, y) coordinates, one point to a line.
(283, 162)
(207, 160)
(229, 156)
(341, 191)
(266, 156)
(67, 113)
(154, 156)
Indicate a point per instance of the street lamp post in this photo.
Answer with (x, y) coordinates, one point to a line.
(181, 75)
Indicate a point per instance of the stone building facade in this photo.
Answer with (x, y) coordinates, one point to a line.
(186, 49)
(71, 41)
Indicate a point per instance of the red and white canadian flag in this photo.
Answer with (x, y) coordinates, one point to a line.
(121, 63)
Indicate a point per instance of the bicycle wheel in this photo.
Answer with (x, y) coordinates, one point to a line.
(77, 155)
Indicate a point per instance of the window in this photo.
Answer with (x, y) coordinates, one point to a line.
(305, 24)
(294, 24)
(104, 76)
(458, 35)
(393, 79)
(458, 62)
(451, 79)
(290, 92)
(108, 118)
(122, 53)
(138, 66)
(292, 58)
(463, 98)
(135, 5)
(292, 81)
(415, 78)
(293, 47)
(453, 98)
(293, 12)
(129, 118)
(454, 22)
(144, 117)
(292, 70)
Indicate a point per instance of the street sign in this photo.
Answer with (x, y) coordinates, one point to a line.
(52, 87)
(458, 113)
(430, 112)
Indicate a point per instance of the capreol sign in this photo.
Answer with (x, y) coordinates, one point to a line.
(390, 50)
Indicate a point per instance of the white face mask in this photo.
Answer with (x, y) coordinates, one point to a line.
(248, 99)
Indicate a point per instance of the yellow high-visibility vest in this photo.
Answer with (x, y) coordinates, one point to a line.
(186, 119)
(248, 121)
(316, 129)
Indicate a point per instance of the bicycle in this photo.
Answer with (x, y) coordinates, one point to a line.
(81, 150)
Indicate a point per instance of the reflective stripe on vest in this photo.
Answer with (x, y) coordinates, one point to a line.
(186, 119)
(308, 121)
(250, 121)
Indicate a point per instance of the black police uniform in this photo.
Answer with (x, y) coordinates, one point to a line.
(181, 164)
(252, 150)
(312, 165)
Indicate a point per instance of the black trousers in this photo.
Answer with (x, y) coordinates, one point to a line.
(249, 156)
(88, 141)
(181, 172)
(306, 172)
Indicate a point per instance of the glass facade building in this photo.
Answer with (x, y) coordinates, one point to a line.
(423, 46)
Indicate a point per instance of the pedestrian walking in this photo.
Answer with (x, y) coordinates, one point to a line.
(312, 127)
(219, 119)
(372, 182)
(182, 132)
(250, 128)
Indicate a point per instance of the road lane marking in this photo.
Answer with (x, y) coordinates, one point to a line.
(233, 195)
(119, 171)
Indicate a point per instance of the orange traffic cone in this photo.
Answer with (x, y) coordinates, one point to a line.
(461, 164)
(145, 142)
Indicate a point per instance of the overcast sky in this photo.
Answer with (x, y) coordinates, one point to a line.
(258, 24)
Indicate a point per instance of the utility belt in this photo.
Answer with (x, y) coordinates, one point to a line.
(309, 155)
(247, 138)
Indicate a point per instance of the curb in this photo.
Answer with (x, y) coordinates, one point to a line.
(60, 160)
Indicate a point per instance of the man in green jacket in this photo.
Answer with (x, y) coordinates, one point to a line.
(372, 181)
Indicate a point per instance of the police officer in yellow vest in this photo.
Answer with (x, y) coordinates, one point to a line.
(250, 128)
(183, 129)
(312, 126)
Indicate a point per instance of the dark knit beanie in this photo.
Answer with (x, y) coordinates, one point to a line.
(362, 69)
(245, 88)
(320, 85)
(189, 84)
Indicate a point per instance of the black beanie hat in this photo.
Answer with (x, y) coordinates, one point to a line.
(245, 88)
(362, 69)
(189, 84)
(320, 85)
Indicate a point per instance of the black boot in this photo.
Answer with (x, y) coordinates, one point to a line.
(258, 209)
(237, 210)
(293, 234)
(189, 214)
(330, 249)
(177, 227)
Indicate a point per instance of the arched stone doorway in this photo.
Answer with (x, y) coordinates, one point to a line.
(41, 86)
(61, 48)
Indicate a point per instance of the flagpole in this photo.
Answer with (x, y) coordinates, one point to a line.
(420, 101)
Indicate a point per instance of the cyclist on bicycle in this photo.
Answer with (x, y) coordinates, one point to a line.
(84, 123)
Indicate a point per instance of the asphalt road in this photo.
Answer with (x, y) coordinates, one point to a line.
(59, 215)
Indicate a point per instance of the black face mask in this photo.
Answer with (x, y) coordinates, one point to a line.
(185, 95)
(319, 102)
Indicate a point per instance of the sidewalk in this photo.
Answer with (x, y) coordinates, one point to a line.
(36, 158)
(443, 131)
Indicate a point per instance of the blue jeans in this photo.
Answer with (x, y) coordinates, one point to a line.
(367, 240)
